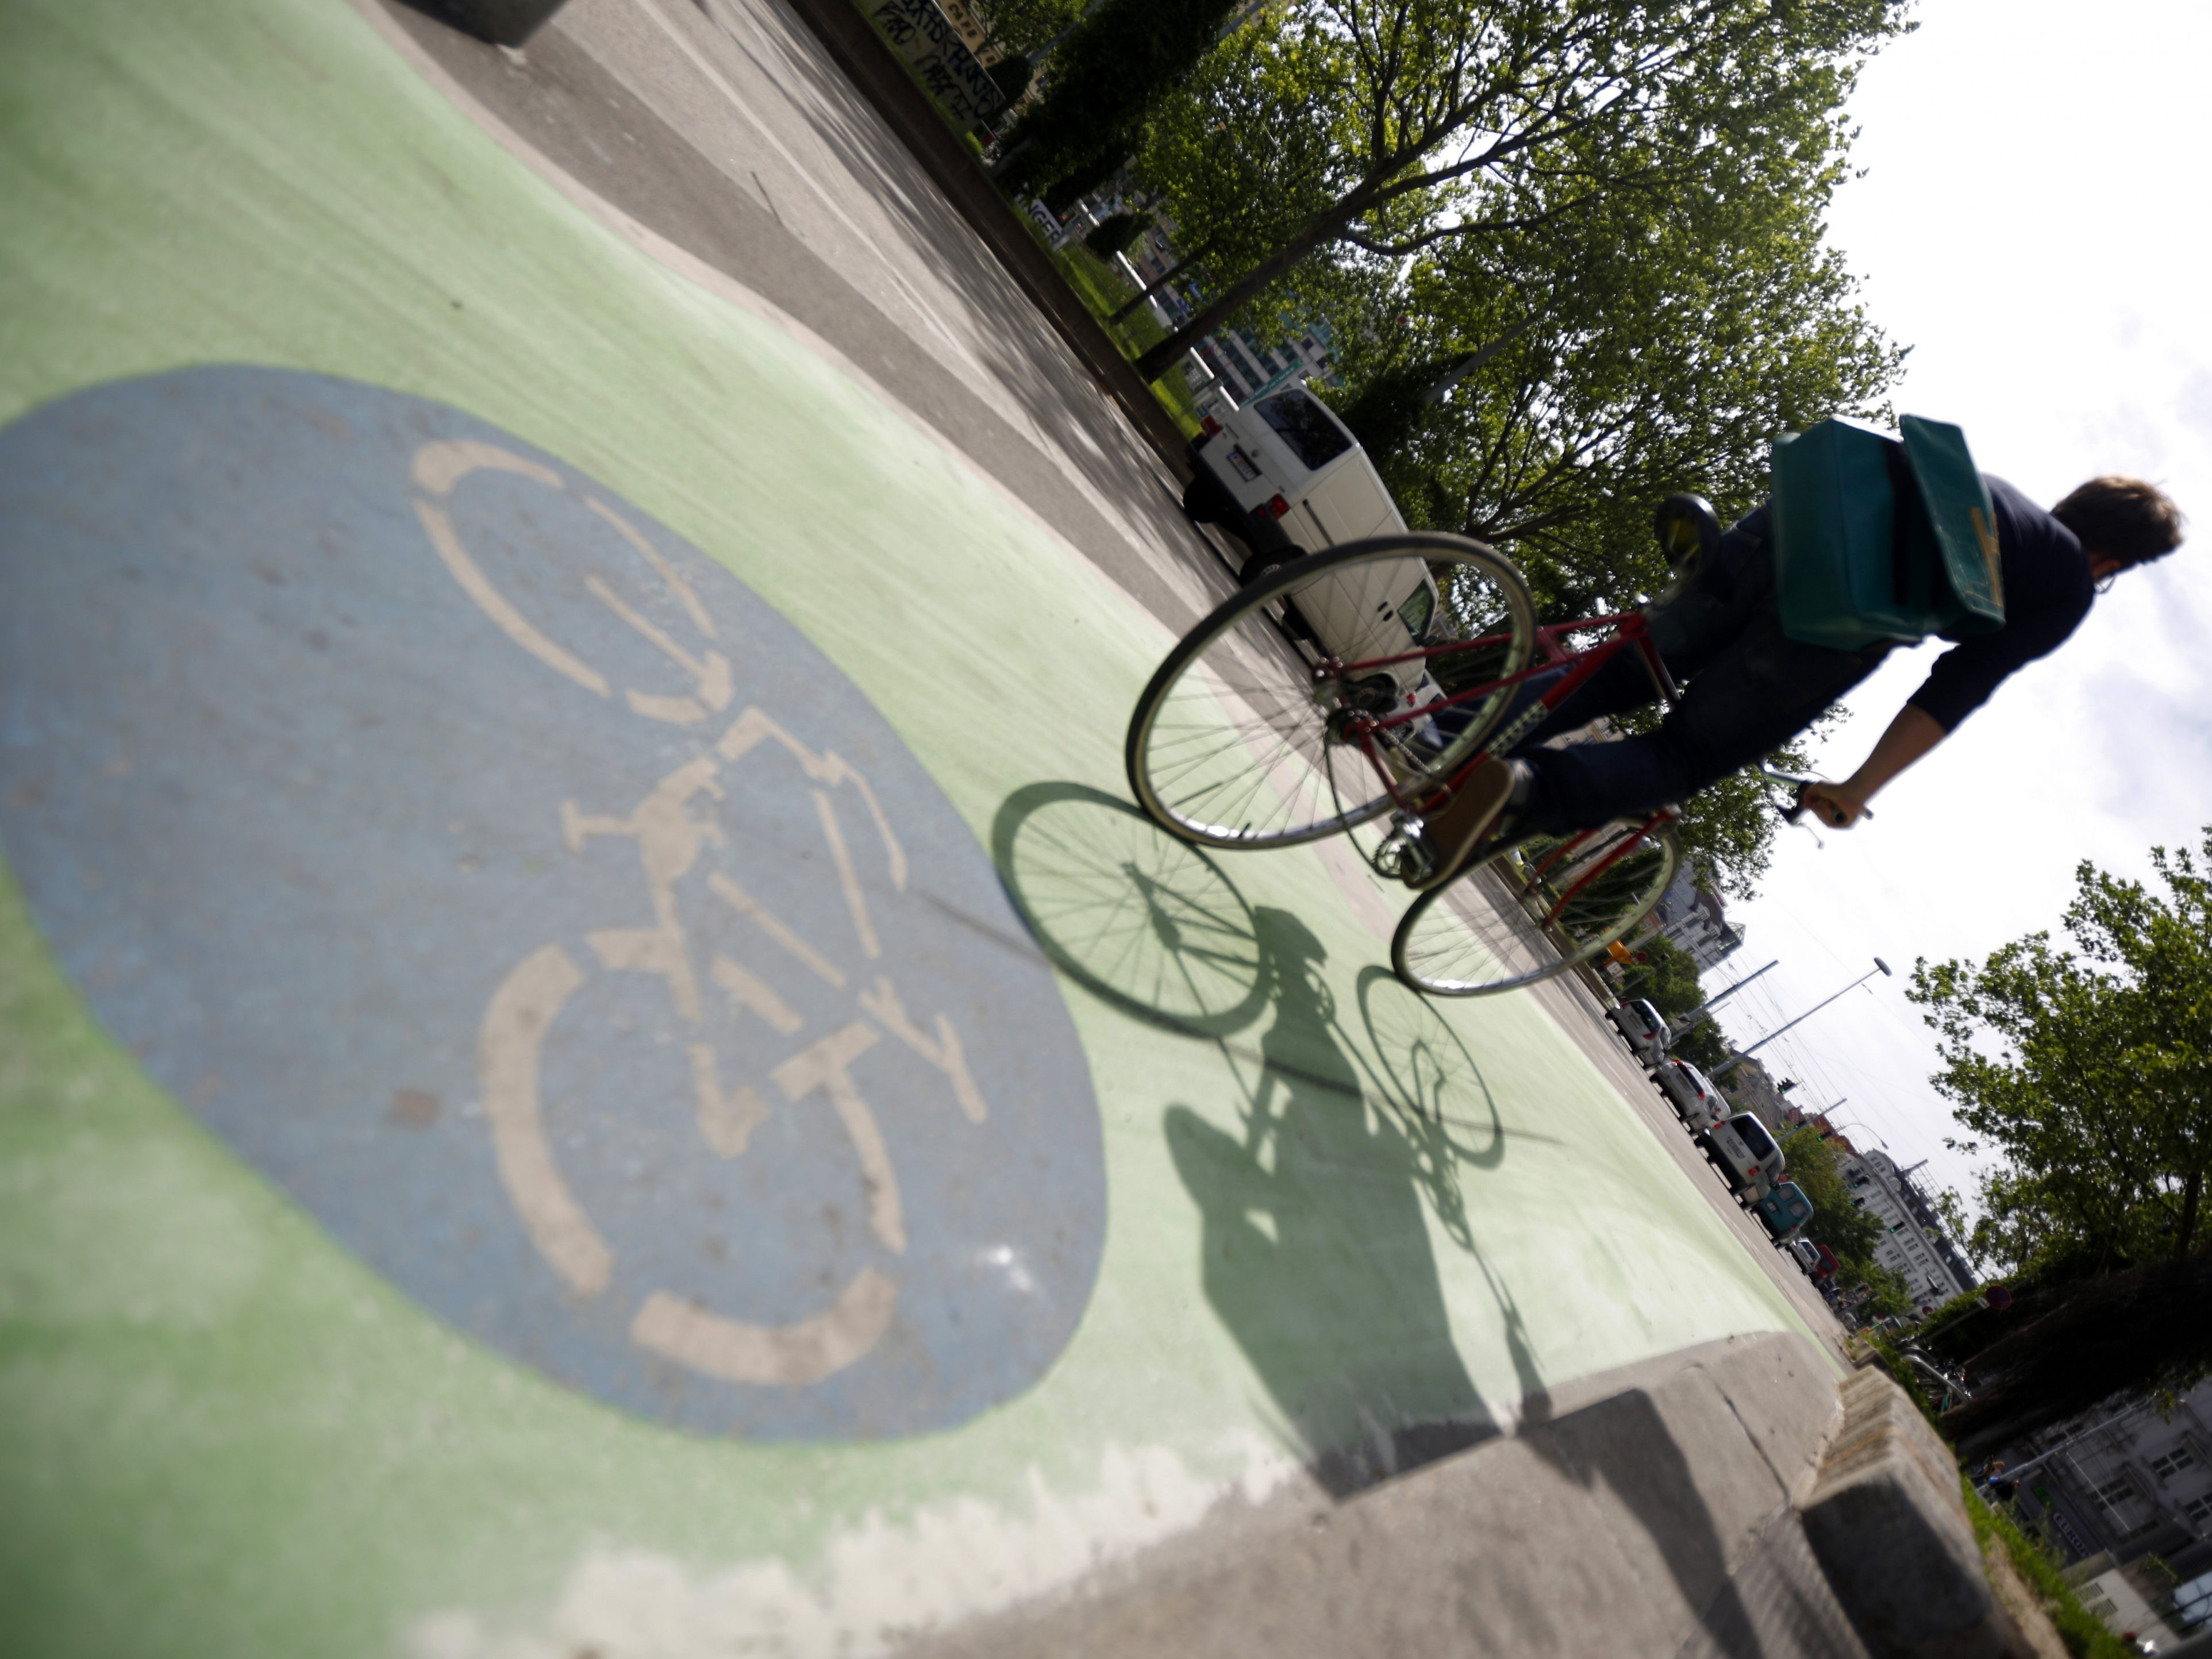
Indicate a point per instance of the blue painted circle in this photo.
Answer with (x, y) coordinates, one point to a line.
(537, 906)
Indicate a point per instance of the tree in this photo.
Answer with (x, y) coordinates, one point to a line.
(1021, 29)
(1012, 75)
(1114, 65)
(1840, 1223)
(1666, 978)
(1664, 356)
(1114, 232)
(1408, 126)
(2148, 1328)
(1838, 1220)
(2088, 1075)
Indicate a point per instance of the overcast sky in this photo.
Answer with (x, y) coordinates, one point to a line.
(2032, 223)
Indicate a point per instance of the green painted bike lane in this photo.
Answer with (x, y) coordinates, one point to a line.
(1333, 1212)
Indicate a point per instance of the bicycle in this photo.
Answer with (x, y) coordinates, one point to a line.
(1372, 679)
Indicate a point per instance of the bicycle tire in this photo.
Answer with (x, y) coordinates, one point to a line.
(1538, 927)
(1230, 744)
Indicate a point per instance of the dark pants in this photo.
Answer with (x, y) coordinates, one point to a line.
(1748, 690)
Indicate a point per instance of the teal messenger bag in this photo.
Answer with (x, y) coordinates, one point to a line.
(1879, 538)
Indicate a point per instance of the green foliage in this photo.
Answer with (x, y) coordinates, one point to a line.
(1704, 1047)
(1940, 1326)
(2083, 1633)
(1382, 134)
(2088, 1075)
(1114, 232)
(1104, 289)
(1012, 75)
(1838, 1223)
(1666, 978)
(1119, 61)
(2142, 1329)
(1022, 29)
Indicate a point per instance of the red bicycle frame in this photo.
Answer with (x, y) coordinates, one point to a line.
(1629, 630)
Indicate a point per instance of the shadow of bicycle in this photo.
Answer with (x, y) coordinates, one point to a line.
(1140, 919)
(1316, 1252)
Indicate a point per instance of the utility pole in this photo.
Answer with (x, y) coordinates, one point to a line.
(1880, 966)
(1704, 1010)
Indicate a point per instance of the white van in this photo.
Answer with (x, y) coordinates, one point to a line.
(1286, 478)
(1749, 1156)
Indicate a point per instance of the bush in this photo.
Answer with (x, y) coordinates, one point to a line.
(1012, 75)
(2083, 1633)
(1115, 233)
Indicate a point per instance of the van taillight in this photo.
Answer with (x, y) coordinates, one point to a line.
(1279, 506)
(1213, 427)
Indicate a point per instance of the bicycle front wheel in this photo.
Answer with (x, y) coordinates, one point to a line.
(1532, 910)
(1330, 690)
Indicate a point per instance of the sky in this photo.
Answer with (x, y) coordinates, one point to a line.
(2032, 221)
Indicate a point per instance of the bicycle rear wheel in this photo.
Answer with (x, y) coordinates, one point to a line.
(1284, 716)
(1532, 910)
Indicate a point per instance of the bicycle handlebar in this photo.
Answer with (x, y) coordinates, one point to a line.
(1798, 784)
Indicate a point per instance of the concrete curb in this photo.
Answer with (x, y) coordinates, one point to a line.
(857, 48)
(1729, 1499)
(1884, 1517)
(1643, 1511)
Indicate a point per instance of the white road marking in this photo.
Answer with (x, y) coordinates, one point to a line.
(825, 1067)
(514, 1025)
(787, 1355)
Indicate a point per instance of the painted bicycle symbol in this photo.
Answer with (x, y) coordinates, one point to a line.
(673, 826)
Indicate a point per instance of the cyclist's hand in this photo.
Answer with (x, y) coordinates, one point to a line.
(1833, 805)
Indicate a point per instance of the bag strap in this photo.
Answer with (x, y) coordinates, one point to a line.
(1904, 496)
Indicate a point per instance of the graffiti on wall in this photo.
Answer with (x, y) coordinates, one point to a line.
(930, 41)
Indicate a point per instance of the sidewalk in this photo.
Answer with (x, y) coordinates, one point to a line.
(861, 53)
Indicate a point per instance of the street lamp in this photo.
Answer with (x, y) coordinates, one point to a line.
(1880, 967)
(1854, 1123)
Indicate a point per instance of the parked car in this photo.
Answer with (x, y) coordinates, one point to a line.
(1750, 1158)
(1784, 1210)
(1643, 1029)
(1805, 1253)
(1694, 1095)
(1826, 1272)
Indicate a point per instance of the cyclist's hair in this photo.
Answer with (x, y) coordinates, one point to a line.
(2122, 518)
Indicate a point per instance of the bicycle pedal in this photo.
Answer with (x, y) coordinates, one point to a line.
(1403, 854)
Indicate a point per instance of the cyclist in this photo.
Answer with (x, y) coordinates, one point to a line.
(1749, 688)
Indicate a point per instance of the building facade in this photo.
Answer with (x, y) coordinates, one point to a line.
(1234, 363)
(2124, 1480)
(1914, 1245)
(1691, 917)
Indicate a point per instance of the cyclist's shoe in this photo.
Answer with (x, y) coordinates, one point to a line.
(1457, 832)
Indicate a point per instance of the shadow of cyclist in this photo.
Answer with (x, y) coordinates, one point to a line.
(1316, 1251)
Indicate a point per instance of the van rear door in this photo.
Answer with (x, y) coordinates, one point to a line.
(1347, 503)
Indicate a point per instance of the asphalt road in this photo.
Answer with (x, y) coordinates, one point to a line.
(590, 1051)
(723, 127)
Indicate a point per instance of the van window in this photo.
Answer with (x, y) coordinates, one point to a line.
(1304, 425)
(1416, 611)
(1755, 1138)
